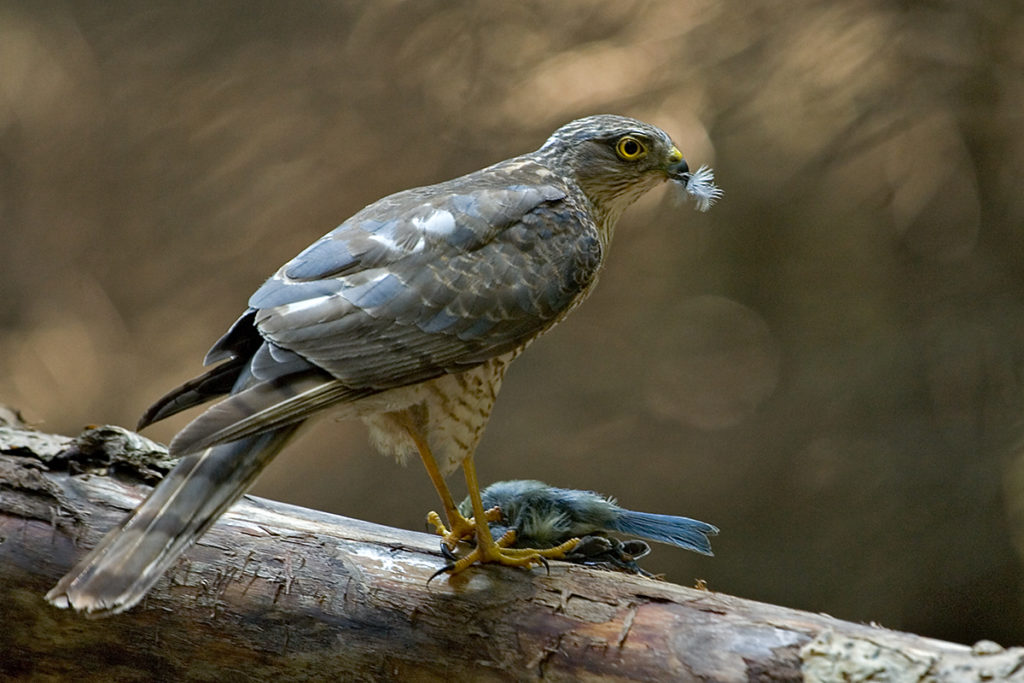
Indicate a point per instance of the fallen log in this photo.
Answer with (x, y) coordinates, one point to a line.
(277, 592)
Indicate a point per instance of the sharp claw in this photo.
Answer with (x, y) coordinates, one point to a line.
(447, 553)
(443, 570)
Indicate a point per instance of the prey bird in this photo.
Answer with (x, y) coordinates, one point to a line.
(406, 316)
(544, 516)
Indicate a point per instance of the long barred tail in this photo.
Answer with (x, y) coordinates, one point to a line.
(132, 557)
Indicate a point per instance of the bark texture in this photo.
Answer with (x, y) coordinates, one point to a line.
(276, 592)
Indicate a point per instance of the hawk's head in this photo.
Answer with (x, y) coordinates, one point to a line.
(614, 159)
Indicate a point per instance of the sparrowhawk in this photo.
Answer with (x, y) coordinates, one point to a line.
(406, 316)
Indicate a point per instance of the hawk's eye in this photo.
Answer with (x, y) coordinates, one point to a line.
(629, 148)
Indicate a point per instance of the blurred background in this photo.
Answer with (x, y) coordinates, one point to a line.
(827, 365)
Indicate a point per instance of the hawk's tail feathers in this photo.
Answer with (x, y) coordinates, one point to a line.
(679, 531)
(119, 571)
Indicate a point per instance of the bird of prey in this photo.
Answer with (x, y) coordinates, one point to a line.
(406, 316)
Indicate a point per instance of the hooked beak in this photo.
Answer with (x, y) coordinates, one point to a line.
(678, 170)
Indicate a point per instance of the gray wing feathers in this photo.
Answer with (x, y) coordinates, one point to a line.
(262, 407)
(217, 382)
(406, 222)
(446, 282)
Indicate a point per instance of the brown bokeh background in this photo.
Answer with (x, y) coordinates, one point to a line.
(827, 365)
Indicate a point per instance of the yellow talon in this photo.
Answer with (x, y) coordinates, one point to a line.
(476, 527)
(487, 549)
(498, 552)
(461, 528)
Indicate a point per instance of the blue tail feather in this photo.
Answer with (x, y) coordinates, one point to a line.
(680, 531)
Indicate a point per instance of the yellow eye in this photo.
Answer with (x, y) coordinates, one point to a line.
(629, 148)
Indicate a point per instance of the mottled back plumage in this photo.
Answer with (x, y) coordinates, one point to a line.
(405, 315)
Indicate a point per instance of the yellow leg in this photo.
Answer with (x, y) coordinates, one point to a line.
(489, 550)
(458, 526)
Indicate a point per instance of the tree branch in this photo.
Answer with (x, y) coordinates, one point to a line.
(277, 592)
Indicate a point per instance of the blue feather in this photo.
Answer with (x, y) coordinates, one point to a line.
(680, 531)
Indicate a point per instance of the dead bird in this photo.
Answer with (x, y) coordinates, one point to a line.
(544, 516)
